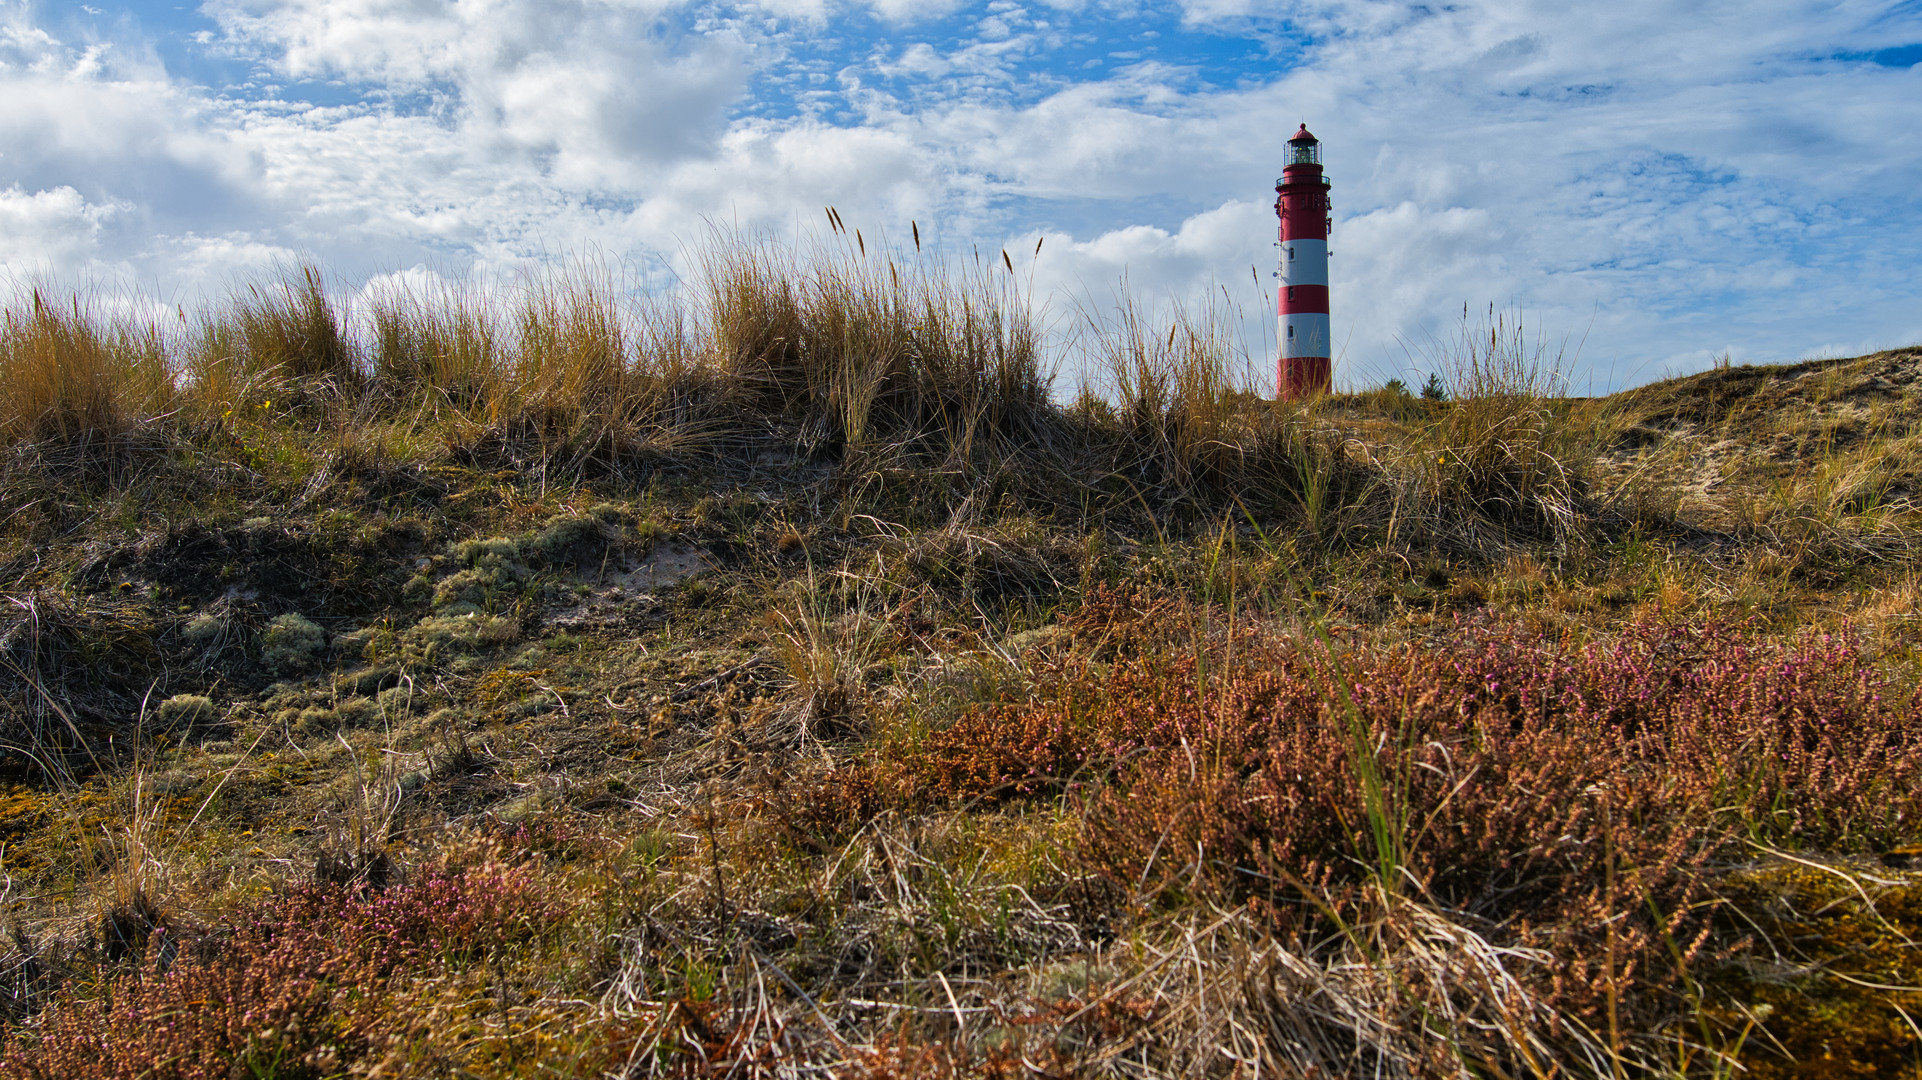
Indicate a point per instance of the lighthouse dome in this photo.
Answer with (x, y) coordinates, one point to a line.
(1304, 149)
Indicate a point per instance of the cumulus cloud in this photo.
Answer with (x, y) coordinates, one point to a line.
(102, 120)
(593, 95)
(1624, 175)
(1668, 185)
(42, 231)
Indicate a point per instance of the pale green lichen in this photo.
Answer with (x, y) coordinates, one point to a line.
(490, 576)
(494, 553)
(204, 629)
(396, 702)
(358, 644)
(185, 711)
(346, 714)
(292, 644)
(434, 639)
(567, 539)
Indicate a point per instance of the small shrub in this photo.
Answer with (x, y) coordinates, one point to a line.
(1500, 776)
(322, 981)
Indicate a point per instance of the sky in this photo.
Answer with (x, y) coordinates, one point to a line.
(1646, 185)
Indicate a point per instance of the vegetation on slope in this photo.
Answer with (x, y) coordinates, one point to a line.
(546, 682)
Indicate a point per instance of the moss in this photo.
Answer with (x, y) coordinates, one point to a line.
(186, 711)
(1835, 982)
(292, 644)
(433, 639)
(566, 540)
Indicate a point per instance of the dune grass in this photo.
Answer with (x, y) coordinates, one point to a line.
(790, 681)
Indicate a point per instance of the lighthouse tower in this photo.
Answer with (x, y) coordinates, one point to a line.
(1301, 201)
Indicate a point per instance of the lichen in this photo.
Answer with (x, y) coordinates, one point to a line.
(203, 629)
(292, 644)
(434, 639)
(396, 702)
(566, 539)
(185, 711)
(348, 713)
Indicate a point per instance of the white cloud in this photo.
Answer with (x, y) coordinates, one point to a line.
(911, 11)
(1671, 183)
(586, 92)
(1639, 179)
(41, 231)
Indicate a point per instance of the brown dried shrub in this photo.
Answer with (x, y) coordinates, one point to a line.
(308, 984)
(1539, 785)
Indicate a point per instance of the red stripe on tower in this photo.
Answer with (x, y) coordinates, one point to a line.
(1301, 201)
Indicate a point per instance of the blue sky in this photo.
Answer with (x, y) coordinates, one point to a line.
(1653, 184)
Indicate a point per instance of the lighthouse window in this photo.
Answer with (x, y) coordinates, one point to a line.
(1291, 329)
(1291, 254)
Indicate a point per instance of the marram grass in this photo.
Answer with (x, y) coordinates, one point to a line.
(546, 681)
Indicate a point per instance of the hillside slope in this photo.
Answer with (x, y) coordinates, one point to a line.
(689, 722)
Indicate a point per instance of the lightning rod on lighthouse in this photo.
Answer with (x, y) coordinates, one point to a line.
(1301, 201)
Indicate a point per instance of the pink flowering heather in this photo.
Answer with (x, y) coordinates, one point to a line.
(302, 986)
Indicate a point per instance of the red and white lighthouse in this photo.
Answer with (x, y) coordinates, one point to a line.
(1301, 201)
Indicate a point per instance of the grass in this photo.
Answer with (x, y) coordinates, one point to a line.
(73, 378)
(545, 681)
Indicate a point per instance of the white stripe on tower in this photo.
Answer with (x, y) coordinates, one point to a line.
(1304, 262)
(1305, 333)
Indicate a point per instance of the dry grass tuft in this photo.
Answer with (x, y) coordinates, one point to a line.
(290, 328)
(1499, 460)
(68, 376)
(871, 348)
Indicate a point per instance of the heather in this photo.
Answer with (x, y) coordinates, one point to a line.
(305, 984)
(801, 678)
(1496, 773)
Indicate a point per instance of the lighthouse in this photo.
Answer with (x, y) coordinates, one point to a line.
(1301, 201)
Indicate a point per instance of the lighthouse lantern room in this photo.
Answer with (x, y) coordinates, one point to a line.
(1301, 201)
